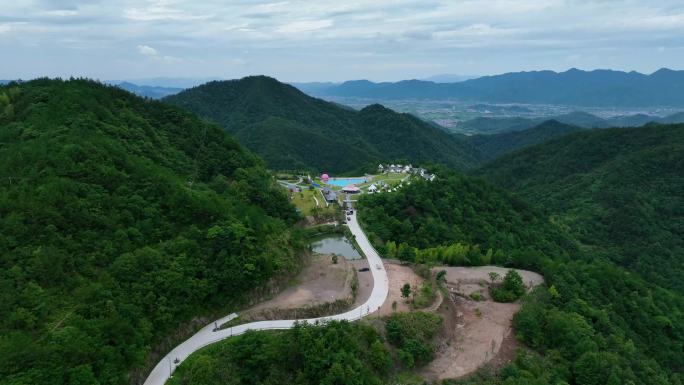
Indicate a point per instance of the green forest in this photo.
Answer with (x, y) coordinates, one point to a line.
(121, 219)
(594, 322)
(494, 145)
(460, 220)
(620, 192)
(291, 130)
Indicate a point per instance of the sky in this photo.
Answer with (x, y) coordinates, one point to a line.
(324, 40)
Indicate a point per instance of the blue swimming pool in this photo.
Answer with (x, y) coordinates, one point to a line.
(345, 181)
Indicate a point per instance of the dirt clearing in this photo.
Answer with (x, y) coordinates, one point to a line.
(475, 331)
(321, 286)
(398, 276)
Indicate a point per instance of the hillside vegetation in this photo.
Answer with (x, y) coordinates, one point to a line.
(459, 220)
(291, 130)
(121, 219)
(619, 191)
(594, 323)
(492, 146)
(496, 125)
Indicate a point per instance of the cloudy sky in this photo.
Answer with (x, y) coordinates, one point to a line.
(333, 40)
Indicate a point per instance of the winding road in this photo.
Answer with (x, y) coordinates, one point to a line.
(207, 335)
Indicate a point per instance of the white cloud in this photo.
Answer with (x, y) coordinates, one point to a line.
(304, 26)
(573, 58)
(467, 36)
(161, 10)
(146, 50)
(61, 12)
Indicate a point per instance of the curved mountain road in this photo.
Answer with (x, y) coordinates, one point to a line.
(207, 335)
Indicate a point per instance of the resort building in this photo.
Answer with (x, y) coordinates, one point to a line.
(330, 196)
(351, 189)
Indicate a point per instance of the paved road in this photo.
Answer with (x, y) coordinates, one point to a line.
(207, 336)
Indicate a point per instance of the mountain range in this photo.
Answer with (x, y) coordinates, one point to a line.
(487, 125)
(292, 130)
(153, 92)
(573, 87)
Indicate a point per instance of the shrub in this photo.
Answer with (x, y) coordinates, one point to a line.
(412, 334)
(511, 289)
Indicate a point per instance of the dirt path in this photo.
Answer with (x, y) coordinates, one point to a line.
(475, 331)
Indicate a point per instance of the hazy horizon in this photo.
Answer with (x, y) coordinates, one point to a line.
(297, 41)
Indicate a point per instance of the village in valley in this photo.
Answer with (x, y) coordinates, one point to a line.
(320, 196)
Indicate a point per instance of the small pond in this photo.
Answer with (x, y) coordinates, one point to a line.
(337, 244)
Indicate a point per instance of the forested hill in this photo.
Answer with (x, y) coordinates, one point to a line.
(121, 218)
(292, 130)
(593, 323)
(494, 145)
(620, 191)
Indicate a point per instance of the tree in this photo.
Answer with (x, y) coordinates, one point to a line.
(334, 259)
(511, 289)
(513, 282)
(391, 249)
(406, 290)
(380, 358)
(553, 292)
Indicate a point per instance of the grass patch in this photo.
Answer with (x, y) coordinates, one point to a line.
(477, 296)
(304, 201)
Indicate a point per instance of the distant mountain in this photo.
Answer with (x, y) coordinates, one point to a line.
(572, 87)
(314, 88)
(582, 119)
(292, 130)
(672, 119)
(449, 78)
(166, 82)
(492, 146)
(637, 120)
(486, 125)
(153, 92)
